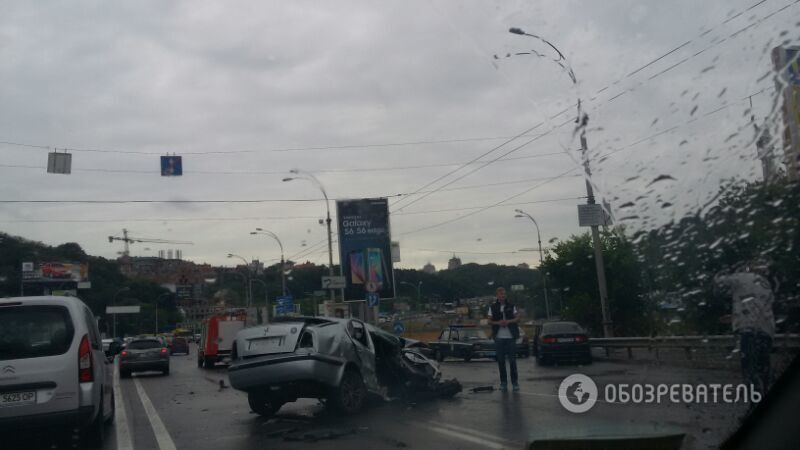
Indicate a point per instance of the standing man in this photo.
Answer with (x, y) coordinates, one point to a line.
(752, 320)
(505, 331)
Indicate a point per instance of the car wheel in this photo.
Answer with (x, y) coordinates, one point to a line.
(540, 360)
(349, 396)
(166, 371)
(467, 358)
(110, 419)
(439, 356)
(199, 361)
(124, 373)
(262, 404)
(208, 362)
(93, 436)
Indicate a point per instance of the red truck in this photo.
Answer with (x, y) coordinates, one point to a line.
(217, 337)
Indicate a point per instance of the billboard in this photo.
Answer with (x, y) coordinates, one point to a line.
(57, 272)
(365, 247)
(787, 65)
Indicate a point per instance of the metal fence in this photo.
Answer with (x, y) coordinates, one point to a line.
(690, 344)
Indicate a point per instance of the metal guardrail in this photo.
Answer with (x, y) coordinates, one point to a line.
(688, 343)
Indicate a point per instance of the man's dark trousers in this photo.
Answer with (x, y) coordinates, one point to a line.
(507, 348)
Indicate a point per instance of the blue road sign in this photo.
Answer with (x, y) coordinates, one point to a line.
(373, 299)
(284, 305)
(171, 166)
(399, 328)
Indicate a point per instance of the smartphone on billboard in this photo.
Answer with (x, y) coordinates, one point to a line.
(375, 266)
(357, 273)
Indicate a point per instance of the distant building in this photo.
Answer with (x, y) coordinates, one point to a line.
(429, 268)
(786, 64)
(454, 263)
(523, 266)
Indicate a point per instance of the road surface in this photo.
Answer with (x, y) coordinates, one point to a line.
(188, 409)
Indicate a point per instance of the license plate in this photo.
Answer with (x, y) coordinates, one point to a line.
(266, 343)
(565, 340)
(17, 398)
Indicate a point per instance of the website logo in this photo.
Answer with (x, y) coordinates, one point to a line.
(577, 393)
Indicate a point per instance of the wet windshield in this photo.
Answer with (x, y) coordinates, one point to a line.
(587, 211)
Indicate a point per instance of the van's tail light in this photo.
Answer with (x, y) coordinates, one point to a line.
(549, 340)
(163, 350)
(85, 373)
(123, 354)
(581, 338)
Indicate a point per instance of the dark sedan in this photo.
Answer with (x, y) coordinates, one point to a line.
(562, 341)
(143, 355)
(179, 346)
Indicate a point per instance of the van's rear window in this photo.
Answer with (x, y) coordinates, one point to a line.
(34, 331)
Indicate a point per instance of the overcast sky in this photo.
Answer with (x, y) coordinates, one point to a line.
(374, 99)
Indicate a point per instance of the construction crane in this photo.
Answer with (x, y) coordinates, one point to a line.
(130, 240)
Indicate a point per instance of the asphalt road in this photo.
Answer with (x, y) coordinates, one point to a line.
(188, 409)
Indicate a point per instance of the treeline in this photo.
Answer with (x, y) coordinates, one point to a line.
(661, 281)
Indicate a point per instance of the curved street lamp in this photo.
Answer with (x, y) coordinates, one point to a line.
(248, 289)
(302, 175)
(283, 261)
(523, 214)
(582, 120)
(418, 286)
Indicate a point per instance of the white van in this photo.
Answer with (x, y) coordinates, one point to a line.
(53, 372)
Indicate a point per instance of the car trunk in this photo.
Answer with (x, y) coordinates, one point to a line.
(39, 360)
(269, 339)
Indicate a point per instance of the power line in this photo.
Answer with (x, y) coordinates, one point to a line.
(250, 219)
(269, 150)
(493, 205)
(282, 172)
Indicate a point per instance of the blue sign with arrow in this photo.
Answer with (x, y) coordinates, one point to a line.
(373, 299)
(284, 305)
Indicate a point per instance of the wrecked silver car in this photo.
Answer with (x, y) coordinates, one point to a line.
(339, 360)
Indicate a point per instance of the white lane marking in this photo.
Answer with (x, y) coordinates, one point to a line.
(121, 428)
(470, 435)
(465, 437)
(159, 430)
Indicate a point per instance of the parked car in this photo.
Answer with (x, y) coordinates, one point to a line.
(179, 346)
(55, 374)
(341, 360)
(562, 341)
(144, 354)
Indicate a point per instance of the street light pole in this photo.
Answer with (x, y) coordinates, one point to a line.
(266, 300)
(313, 179)
(521, 213)
(157, 299)
(248, 289)
(114, 303)
(283, 262)
(608, 330)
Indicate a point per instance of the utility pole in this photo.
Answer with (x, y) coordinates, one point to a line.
(608, 330)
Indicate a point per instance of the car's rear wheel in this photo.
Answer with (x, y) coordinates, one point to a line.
(208, 362)
(439, 356)
(166, 371)
(110, 419)
(199, 360)
(263, 404)
(349, 396)
(124, 373)
(467, 358)
(540, 360)
(93, 436)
